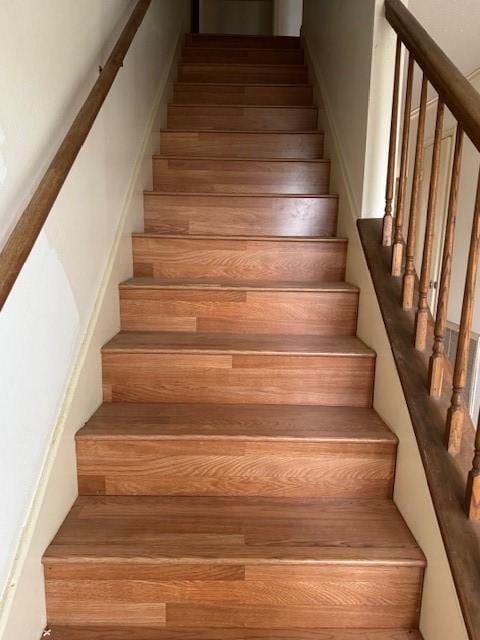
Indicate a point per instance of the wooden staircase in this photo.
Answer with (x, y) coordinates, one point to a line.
(236, 483)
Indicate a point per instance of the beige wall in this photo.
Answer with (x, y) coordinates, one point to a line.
(64, 305)
(341, 65)
(287, 17)
(253, 17)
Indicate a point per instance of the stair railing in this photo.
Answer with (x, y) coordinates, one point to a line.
(21, 240)
(463, 101)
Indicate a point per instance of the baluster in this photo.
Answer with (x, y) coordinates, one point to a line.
(421, 320)
(392, 151)
(456, 410)
(437, 362)
(397, 251)
(409, 275)
(473, 483)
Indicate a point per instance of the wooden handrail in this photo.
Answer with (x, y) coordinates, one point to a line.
(455, 90)
(23, 237)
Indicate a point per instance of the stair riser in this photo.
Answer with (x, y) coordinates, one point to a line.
(236, 41)
(246, 55)
(268, 74)
(262, 596)
(309, 313)
(241, 145)
(253, 379)
(241, 176)
(242, 118)
(242, 94)
(239, 260)
(240, 215)
(234, 468)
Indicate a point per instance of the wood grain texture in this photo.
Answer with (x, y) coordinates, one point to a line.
(135, 633)
(276, 215)
(288, 550)
(148, 304)
(242, 55)
(412, 238)
(421, 320)
(242, 117)
(437, 363)
(248, 73)
(392, 151)
(242, 93)
(239, 259)
(237, 481)
(223, 40)
(237, 422)
(244, 144)
(397, 253)
(456, 411)
(225, 175)
(234, 368)
(221, 450)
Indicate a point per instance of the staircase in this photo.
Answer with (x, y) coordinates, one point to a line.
(236, 483)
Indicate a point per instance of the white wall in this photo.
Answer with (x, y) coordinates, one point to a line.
(51, 328)
(353, 52)
(287, 17)
(349, 69)
(251, 17)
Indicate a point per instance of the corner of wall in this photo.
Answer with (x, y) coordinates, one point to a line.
(22, 609)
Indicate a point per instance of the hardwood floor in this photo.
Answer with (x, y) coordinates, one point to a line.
(236, 483)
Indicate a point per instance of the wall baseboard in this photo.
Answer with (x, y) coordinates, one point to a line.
(22, 607)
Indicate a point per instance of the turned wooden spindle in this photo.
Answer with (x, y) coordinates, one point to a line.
(421, 318)
(409, 275)
(397, 251)
(392, 152)
(437, 359)
(472, 501)
(455, 416)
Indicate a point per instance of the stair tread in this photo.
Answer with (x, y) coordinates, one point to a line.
(288, 65)
(243, 422)
(231, 343)
(191, 83)
(159, 156)
(236, 132)
(197, 236)
(235, 530)
(246, 106)
(228, 283)
(144, 633)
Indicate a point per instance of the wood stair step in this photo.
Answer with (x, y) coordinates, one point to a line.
(242, 94)
(223, 40)
(244, 55)
(211, 305)
(134, 449)
(242, 144)
(232, 72)
(237, 368)
(136, 633)
(239, 258)
(234, 562)
(242, 117)
(240, 214)
(231, 175)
